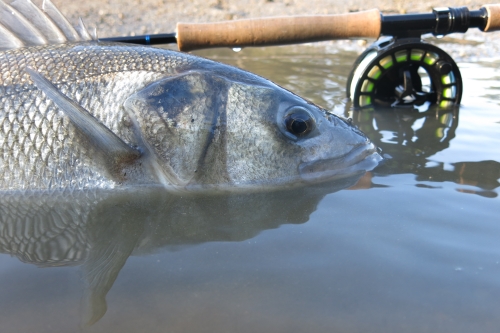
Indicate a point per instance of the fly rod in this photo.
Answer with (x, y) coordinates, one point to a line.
(305, 29)
(398, 70)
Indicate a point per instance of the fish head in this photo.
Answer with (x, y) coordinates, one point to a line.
(214, 129)
(329, 146)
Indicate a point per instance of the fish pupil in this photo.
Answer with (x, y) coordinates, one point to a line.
(299, 124)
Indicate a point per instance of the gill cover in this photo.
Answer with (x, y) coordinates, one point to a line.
(182, 122)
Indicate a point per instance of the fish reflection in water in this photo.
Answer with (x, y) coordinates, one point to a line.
(409, 139)
(99, 230)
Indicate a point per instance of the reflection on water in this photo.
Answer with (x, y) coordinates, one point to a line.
(100, 230)
(410, 138)
(411, 252)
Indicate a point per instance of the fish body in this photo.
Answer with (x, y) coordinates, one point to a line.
(88, 114)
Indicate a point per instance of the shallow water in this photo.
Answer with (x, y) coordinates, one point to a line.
(412, 247)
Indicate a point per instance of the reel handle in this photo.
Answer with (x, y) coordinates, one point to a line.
(304, 29)
(278, 30)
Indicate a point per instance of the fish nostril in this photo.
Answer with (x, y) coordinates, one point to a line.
(332, 119)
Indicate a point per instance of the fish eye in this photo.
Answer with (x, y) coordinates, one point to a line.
(299, 122)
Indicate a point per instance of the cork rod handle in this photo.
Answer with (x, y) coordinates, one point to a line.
(278, 30)
(493, 23)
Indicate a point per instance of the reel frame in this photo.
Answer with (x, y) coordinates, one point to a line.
(389, 73)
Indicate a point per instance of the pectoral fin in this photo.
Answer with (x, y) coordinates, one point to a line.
(101, 139)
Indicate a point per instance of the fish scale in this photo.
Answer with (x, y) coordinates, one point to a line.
(36, 141)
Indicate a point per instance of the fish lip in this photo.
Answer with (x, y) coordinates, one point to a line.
(363, 157)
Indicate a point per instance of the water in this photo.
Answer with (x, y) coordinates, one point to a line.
(412, 247)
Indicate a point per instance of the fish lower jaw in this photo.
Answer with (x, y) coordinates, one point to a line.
(360, 159)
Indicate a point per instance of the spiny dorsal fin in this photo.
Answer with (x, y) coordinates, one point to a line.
(82, 30)
(20, 26)
(8, 40)
(24, 24)
(51, 10)
(40, 20)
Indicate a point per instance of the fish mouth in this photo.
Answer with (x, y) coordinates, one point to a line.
(362, 158)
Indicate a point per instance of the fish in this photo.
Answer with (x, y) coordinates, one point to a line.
(77, 113)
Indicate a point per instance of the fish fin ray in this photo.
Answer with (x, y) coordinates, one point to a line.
(93, 34)
(20, 26)
(8, 40)
(114, 230)
(40, 21)
(82, 30)
(24, 24)
(111, 148)
(61, 21)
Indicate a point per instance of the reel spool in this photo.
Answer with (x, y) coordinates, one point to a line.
(404, 72)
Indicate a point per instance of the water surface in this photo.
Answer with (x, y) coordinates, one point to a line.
(413, 246)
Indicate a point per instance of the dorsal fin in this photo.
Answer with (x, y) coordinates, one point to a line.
(61, 21)
(82, 30)
(20, 26)
(24, 24)
(9, 40)
(41, 21)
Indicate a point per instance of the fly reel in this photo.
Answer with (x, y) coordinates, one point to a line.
(399, 71)
(404, 72)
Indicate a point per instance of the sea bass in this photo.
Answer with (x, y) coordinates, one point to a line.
(76, 113)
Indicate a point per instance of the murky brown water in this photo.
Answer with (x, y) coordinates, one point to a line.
(415, 249)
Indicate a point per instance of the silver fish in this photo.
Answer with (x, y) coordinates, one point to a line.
(77, 113)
